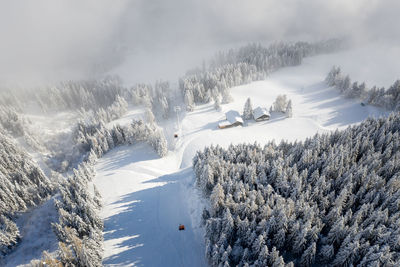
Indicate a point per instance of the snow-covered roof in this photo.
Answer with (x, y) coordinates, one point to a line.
(224, 124)
(233, 116)
(258, 112)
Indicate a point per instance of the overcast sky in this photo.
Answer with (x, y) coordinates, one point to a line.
(45, 40)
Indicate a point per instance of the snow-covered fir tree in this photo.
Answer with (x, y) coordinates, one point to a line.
(217, 103)
(246, 64)
(381, 97)
(149, 116)
(289, 109)
(22, 186)
(280, 104)
(189, 100)
(248, 110)
(330, 200)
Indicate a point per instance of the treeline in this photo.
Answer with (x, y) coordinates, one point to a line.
(113, 112)
(80, 229)
(69, 95)
(97, 97)
(249, 63)
(276, 55)
(99, 139)
(11, 121)
(15, 124)
(330, 200)
(22, 186)
(380, 97)
(63, 156)
(96, 137)
(160, 99)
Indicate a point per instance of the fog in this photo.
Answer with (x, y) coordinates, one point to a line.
(45, 40)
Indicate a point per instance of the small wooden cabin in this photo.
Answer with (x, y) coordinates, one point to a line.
(261, 114)
(233, 119)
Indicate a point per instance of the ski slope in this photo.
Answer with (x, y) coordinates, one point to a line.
(146, 197)
(145, 201)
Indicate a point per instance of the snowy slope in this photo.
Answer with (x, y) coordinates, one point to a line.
(146, 198)
(316, 109)
(145, 203)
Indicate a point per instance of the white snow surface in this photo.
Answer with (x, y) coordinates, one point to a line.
(145, 201)
(147, 197)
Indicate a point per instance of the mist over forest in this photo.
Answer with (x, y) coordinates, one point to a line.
(47, 41)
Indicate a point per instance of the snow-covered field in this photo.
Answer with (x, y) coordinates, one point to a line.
(146, 197)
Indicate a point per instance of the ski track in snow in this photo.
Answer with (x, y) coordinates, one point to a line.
(143, 210)
(147, 197)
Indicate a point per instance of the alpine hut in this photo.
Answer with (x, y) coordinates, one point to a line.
(261, 114)
(233, 119)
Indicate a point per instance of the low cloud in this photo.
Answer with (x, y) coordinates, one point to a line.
(50, 40)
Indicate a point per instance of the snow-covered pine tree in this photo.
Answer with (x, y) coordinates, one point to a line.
(280, 103)
(189, 100)
(248, 110)
(217, 103)
(289, 109)
(149, 116)
(388, 99)
(226, 96)
(313, 202)
(159, 143)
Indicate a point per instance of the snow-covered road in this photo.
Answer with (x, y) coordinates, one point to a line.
(145, 201)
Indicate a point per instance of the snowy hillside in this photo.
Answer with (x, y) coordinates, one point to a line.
(146, 197)
(316, 109)
(105, 105)
(144, 162)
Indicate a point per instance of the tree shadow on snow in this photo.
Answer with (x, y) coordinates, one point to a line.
(202, 109)
(125, 155)
(319, 92)
(146, 231)
(345, 110)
